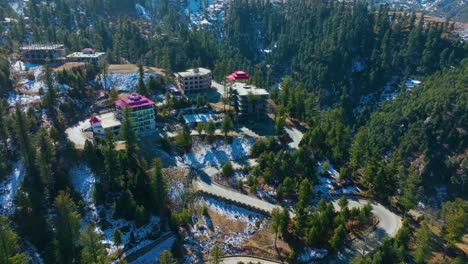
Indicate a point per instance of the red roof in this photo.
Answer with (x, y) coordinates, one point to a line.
(133, 101)
(87, 50)
(238, 75)
(94, 120)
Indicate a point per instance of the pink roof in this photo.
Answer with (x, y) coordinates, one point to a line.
(87, 49)
(133, 101)
(94, 120)
(238, 75)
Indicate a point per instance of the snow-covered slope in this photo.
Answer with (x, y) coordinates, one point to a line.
(9, 187)
(453, 9)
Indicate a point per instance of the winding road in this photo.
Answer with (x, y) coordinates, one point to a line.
(389, 222)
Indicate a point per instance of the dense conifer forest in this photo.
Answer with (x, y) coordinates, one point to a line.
(326, 65)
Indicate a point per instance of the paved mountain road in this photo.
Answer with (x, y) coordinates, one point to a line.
(389, 222)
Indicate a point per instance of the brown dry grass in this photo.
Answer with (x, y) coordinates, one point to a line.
(179, 174)
(260, 244)
(68, 66)
(463, 246)
(263, 244)
(132, 68)
(226, 225)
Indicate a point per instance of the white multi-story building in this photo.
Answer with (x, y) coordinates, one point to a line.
(142, 112)
(193, 80)
(250, 102)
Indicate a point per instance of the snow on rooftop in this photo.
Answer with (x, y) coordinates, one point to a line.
(85, 55)
(9, 187)
(42, 47)
(108, 120)
(243, 90)
(194, 72)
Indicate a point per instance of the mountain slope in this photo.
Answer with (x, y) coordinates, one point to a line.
(456, 10)
(427, 127)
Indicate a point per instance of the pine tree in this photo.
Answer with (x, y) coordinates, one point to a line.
(227, 125)
(159, 187)
(210, 129)
(280, 123)
(455, 216)
(112, 168)
(113, 95)
(302, 207)
(338, 235)
(154, 85)
(9, 245)
(4, 133)
(279, 221)
(166, 258)
(141, 86)
(216, 254)
(228, 170)
(117, 237)
(183, 140)
(46, 162)
(412, 191)
(67, 226)
(22, 132)
(200, 127)
(104, 68)
(51, 95)
(93, 251)
(128, 133)
(424, 244)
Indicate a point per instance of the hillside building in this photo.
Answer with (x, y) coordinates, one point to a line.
(238, 76)
(194, 80)
(41, 52)
(106, 122)
(86, 55)
(250, 102)
(142, 112)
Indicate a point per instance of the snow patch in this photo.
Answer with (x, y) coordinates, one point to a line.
(122, 81)
(358, 65)
(142, 11)
(10, 186)
(205, 235)
(216, 155)
(311, 254)
(23, 99)
(83, 180)
(76, 133)
(152, 256)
